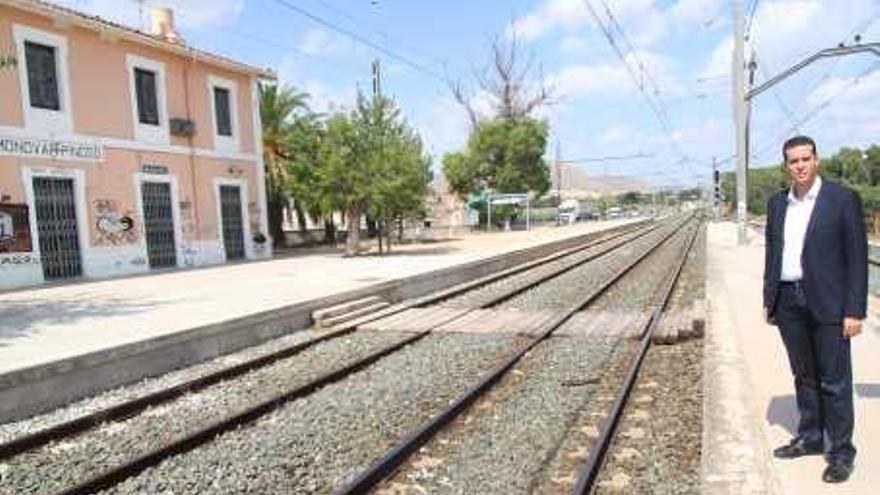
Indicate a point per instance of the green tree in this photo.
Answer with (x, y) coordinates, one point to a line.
(344, 176)
(872, 164)
(303, 144)
(502, 155)
(279, 107)
(398, 165)
(371, 161)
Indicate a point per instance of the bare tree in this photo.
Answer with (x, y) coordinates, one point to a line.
(510, 81)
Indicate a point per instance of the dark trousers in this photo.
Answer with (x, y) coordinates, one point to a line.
(820, 361)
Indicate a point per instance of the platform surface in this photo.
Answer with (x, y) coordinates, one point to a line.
(749, 406)
(44, 325)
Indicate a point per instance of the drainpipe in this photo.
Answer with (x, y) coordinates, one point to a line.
(197, 224)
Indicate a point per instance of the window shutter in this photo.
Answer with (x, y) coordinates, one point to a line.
(42, 76)
(221, 107)
(147, 96)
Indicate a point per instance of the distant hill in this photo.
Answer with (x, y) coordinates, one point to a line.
(576, 184)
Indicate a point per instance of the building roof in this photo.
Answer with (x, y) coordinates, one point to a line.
(101, 24)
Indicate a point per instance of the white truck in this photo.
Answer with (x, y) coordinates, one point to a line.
(568, 211)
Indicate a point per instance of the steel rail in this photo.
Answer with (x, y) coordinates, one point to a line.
(596, 457)
(132, 407)
(414, 439)
(186, 442)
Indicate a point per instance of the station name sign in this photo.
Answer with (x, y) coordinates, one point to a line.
(51, 149)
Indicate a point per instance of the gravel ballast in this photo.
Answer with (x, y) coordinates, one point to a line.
(313, 444)
(63, 463)
(505, 442)
(480, 297)
(561, 291)
(499, 445)
(659, 446)
(101, 401)
(657, 449)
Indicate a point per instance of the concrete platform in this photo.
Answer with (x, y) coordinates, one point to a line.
(60, 343)
(749, 405)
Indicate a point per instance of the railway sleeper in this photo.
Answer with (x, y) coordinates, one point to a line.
(681, 324)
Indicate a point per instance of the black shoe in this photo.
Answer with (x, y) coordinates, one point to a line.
(837, 472)
(797, 448)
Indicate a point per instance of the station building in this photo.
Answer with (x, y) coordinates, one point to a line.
(122, 151)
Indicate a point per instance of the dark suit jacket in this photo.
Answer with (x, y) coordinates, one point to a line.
(835, 255)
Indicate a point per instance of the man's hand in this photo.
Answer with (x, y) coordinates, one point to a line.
(851, 326)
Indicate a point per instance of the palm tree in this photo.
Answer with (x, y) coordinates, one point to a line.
(279, 107)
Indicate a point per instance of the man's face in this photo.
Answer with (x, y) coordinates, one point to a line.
(802, 165)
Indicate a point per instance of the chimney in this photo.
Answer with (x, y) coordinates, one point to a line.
(163, 25)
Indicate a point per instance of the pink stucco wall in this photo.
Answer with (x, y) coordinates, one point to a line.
(99, 84)
(102, 108)
(10, 94)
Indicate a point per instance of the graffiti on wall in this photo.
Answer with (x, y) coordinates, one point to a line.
(113, 226)
(187, 228)
(257, 234)
(15, 229)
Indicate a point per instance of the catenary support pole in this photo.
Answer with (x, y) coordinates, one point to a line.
(739, 115)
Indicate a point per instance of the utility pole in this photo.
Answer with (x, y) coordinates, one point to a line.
(377, 79)
(716, 190)
(740, 111)
(377, 95)
(742, 99)
(558, 174)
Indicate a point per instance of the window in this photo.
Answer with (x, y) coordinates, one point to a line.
(44, 80)
(147, 96)
(42, 72)
(222, 109)
(223, 99)
(146, 80)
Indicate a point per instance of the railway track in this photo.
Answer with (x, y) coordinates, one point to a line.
(128, 408)
(438, 465)
(51, 438)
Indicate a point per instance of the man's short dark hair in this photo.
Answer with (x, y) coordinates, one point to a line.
(798, 141)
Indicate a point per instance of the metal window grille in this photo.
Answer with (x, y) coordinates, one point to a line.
(57, 228)
(159, 224)
(224, 115)
(42, 74)
(233, 227)
(147, 99)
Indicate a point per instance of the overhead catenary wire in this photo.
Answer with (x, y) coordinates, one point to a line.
(796, 123)
(361, 39)
(652, 98)
(184, 14)
(752, 12)
(388, 38)
(819, 108)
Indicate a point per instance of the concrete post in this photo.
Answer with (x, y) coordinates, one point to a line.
(739, 114)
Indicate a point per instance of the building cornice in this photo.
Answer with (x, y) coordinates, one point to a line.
(109, 28)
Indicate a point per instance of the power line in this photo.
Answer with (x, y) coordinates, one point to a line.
(778, 98)
(606, 158)
(361, 39)
(184, 14)
(751, 17)
(653, 99)
(820, 107)
(861, 26)
(360, 22)
(657, 92)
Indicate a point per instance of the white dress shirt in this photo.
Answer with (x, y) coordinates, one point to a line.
(797, 217)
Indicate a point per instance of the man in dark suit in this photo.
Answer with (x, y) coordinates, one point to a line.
(815, 291)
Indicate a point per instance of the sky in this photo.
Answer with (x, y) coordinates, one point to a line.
(657, 89)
